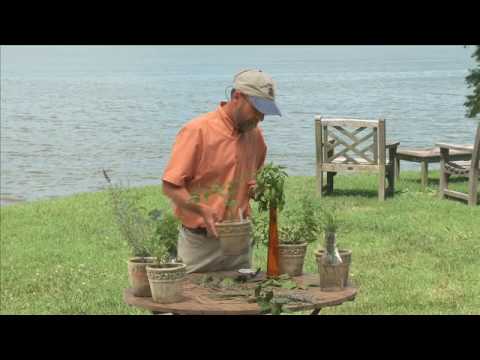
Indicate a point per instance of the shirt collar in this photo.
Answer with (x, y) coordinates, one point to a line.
(227, 120)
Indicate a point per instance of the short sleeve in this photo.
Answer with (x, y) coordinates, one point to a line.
(185, 157)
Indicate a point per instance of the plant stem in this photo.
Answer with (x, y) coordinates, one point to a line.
(272, 259)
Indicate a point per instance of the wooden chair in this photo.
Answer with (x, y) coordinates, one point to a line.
(356, 152)
(468, 169)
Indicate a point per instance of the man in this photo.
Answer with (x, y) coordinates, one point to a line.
(214, 150)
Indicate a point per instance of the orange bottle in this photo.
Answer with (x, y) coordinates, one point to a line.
(272, 258)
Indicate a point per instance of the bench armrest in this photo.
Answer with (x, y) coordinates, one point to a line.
(392, 145)
(466, 148)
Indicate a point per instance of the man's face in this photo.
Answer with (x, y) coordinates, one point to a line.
(247, 117)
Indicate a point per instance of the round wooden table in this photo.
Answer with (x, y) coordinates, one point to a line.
(198, 300)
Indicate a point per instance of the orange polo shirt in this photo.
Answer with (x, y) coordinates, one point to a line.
(209, 153)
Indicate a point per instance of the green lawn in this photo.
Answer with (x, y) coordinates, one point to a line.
(412, 254)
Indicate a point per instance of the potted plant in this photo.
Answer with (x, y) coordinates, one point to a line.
(166, 227)
(234, 232)
(300, 229)
(166, 273)
(141, 257)
(136, 231)
(333, 265)
(142, 234)
(165, 276)
(269, 195)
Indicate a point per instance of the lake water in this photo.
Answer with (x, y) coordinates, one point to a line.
(67, 112)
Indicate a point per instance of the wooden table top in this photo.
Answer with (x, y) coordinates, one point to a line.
(198, 300)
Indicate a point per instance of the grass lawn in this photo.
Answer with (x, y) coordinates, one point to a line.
(412, 254)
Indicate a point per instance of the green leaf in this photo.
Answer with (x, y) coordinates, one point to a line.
(227, 283)
(289, 285)
(273, 282)
(270, 182)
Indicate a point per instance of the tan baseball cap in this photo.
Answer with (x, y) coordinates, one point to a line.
(260, 89)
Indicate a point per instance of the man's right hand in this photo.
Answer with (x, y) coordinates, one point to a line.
(210, 217)
(182, 198)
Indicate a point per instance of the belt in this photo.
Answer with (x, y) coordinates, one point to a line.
(197, 230)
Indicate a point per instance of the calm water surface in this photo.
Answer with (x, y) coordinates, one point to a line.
(67, 112)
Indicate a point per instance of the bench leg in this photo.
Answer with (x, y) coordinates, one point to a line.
(381, 184)
(443, 173)
(472, 187)
(424, 165)
(320, 183)
(397, 168)
(391, 180)
(330, 176)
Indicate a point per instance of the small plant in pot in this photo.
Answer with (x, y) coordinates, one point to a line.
(300, 229)
(234, 232)
(137, 273)
(142, 234)
(269, 195)
(136, 231)
(165, 276)
(333, 265)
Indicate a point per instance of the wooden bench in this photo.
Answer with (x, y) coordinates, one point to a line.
(470, 169)
(354, 145)
(424, 157)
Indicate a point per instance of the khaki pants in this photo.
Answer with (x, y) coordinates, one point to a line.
(203, 254)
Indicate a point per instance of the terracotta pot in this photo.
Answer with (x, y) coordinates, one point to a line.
(291, 258)
(166, 282)
(234, 236)
(137, 275)
(333, 277)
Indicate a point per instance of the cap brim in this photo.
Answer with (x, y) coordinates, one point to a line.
(265, 106)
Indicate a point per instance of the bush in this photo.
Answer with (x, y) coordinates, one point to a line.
(301, 224)
(297, 225)
(166, 231)
(152, 234)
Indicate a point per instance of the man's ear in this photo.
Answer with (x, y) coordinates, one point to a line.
(237, 95)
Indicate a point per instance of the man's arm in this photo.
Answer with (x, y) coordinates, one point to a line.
(182, 198)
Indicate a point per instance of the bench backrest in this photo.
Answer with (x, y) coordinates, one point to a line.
(356, 142)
